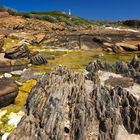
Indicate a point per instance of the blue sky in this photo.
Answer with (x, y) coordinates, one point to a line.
(91, 9)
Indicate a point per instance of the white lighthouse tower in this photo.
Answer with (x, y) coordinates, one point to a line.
(69, 12)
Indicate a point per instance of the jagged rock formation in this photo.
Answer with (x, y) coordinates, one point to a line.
(18, 51)
(130, 70)
(65, 106)
(8, 92)
(38, 59)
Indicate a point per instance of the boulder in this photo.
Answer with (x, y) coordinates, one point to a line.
(110, 45)
(38, 38)
(8, 92)
(38, 59)
(18, 51)
(127, 47)
(8, 65)
(117, 49)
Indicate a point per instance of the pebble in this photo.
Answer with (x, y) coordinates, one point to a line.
(7, 75)
(17, 73)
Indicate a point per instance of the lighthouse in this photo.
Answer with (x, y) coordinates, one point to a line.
(69, 12)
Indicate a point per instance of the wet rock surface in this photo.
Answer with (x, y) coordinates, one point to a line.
(8, 91)
(65, 105)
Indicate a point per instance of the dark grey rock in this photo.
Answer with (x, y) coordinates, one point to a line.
(38, 59)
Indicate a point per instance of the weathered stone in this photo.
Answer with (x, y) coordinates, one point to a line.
(91, 111)
(38, 59)
(18, 51)
(39, 38)
(8, 91)
(129, 70)
(124, 82)
(127, 47)
(100, 39)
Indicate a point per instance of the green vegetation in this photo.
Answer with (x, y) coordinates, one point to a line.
(9, 43)
(77, 60)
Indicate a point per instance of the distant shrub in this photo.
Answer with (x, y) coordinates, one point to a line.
(50, 18)
(2, 9)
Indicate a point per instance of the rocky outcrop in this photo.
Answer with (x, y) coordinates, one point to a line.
(65, 106)
(95, 66)
(130, 70)
(8, 92)
(18, 51)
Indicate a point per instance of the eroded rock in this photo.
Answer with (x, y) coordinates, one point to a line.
(127, 47)
(8, 91)
(38, 59)
(18, 51)
(65, 106)
(131, 69)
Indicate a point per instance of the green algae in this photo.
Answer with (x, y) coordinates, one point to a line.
(8, 42)
(78, 60)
